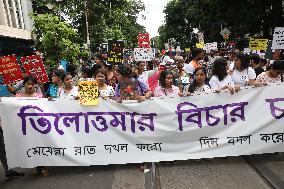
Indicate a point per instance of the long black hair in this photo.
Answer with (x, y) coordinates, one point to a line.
(193, 85)
(219, 68)
(163, 76)
(245, 60)
(29, 78)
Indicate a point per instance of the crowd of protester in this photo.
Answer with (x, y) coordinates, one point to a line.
(169, 75)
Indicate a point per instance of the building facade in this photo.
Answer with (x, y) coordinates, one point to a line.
(15, 27)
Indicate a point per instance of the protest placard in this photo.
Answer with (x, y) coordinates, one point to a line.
(115, 52)
(278, 38)
(33, 65)
(143, 54)
(88, 93)
(10, 69)
(187, 49)
(144, 40)
(199, 45)
(258, 44)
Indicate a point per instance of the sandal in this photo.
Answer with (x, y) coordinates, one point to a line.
(44, 171)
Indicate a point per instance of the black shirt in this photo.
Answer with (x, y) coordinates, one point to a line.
(258, 70)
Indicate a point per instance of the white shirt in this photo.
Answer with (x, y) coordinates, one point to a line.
(71, 95)
(109, 92)
(242, 78)
(216, 84)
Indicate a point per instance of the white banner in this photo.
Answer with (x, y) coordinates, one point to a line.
(64, 133)
(143, 54)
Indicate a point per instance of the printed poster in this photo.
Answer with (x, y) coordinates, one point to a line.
(115, 52)
(34, 66)
(258, 44)
(10, 69)
(88, 93)
(144, 40)
(143, 54)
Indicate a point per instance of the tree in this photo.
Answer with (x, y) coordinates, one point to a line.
(242, 17)
(55, 39)
(108, 19)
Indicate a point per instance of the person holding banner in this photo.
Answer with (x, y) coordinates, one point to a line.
(129, 88)
(221, 80)
(198, 85)
(68, 91)
(29, 88)
(57, 84)
(106, 91)
(273, 75)
(242, 74)
(166, 87)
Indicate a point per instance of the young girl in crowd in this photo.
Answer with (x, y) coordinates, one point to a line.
(167, 87)
(221, 80)
(198, 85)
(273, 75)
(68, 91)
(57, 84)
(242, 74)
(104, 89)
(30, 84)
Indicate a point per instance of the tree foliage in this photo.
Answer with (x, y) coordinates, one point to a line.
(242, 17)
(108, 19)
(55, 39)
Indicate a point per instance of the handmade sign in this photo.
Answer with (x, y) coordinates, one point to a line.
(208, 47)
(144, 40)
(200, 37)
(258, 44)
(115, 52)
(199, 45)
(187, 49)
(143, 54)
(33, 65)
(278, 38)
(64, 133)
(10, 69)
(104, 47)
(88, 93)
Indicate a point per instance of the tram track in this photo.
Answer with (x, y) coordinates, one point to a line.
(274, 181)
(265, 166)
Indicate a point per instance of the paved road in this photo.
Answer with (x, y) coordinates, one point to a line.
(98, 177)
(218, 173)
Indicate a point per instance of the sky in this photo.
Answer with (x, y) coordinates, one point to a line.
(154, 16)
